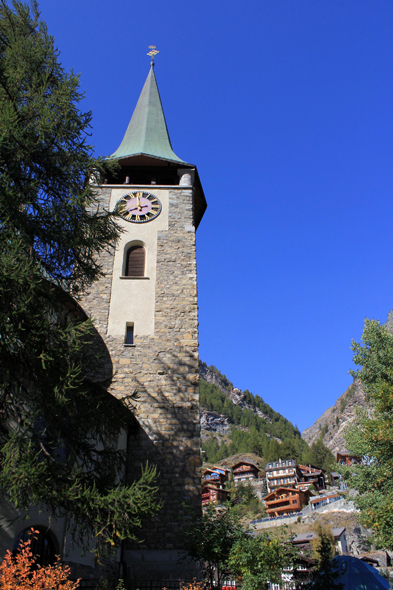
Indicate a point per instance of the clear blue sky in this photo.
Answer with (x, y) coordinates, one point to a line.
(285, 106)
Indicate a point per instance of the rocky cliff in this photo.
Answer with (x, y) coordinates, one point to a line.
(214, 421)
(332, 424)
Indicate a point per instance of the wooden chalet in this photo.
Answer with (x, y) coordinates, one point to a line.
(303, 541)
(285, 501)
(212, 494)
(216, 476)
(312, 476)
(346, 459)
(244, 471)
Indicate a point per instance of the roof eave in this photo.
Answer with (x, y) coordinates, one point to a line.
(153, 157)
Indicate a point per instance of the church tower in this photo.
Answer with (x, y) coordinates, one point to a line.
(146, 310)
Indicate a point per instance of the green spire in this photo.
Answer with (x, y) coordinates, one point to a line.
(147, 132)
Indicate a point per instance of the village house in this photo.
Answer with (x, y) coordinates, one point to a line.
(212, 494)
(303, 541)
(346, 459)
(335, 479)
(217, 476)
(285, 501)
(312, 476)
(244, 471)
(282, 473)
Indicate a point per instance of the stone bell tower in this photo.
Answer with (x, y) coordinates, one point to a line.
(146, 310)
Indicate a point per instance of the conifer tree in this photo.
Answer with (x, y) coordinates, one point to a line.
(325, 575)
(372, 437)
(52, 233)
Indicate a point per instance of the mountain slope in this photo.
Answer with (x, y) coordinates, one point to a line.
(333, 422)
(235, 421)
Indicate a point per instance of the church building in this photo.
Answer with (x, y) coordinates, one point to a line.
(145, 309)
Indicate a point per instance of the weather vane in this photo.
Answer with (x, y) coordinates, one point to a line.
(153, 52)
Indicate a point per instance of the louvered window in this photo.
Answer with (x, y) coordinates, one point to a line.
(135, 264)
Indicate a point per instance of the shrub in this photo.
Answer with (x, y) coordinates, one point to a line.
(21, 571)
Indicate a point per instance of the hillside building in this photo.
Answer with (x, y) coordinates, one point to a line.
(303, 541)
(289, 473)
(312, 476)
(284, 501)
(282, 473)
(244, 471)
(213, 494)
(216, 476)
(346, 459)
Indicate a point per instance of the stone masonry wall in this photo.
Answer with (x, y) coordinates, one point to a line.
(163, 369)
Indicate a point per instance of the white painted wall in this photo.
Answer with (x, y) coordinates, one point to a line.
(133, 298)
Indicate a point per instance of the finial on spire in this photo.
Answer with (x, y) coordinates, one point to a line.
(153, 52)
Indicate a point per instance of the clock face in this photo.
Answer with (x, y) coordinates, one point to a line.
(139, 207)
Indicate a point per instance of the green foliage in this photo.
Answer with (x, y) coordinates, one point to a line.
(59, 426)
(324, 430)
(209, 538)
(320, 456)
(259, 560)
(223, 378)
(346, 397)
(372, 438)
(324, 576)
(258, 438)
(250, 506)
(323, 546)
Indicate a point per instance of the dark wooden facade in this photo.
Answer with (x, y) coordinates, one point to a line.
(312, 476)
(243, 471)
(211, 494)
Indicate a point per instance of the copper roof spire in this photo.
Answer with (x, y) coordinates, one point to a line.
(147, 132)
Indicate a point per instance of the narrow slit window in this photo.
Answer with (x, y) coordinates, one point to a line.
(129, 335)
(135, 263)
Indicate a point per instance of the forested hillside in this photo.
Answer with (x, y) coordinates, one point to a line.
(239, 422)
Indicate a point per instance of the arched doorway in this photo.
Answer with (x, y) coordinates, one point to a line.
(43, 544)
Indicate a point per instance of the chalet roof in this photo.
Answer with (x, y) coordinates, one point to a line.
(218, 470)
(338, 532)
(307, 537)
(147, 132)
(303, 538)
(286, 489)
(244, 463)
(278, 464)
(310, 468)
(321, 498)
(212, 487)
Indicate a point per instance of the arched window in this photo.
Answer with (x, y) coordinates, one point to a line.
(135, 262)
(42, 545)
